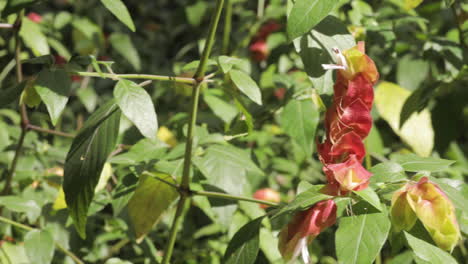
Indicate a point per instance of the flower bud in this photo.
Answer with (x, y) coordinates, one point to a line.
(267, 194)
(432, 207)
(34, 17)
(304, 228)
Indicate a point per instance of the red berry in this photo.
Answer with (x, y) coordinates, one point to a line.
(35, 17)
(267, 194)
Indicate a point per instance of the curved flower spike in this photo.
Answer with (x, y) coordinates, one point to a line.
(304, 228)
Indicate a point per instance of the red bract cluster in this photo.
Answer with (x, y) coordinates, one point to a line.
(348, 121)
(258, 47)
(305, 227)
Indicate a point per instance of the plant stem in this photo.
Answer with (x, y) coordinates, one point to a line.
(209, 41)
(232, 197)
(227, 27)
(260, 8)
(28, 228)
(185, 184)
(137, 76)
(24, 114)
(50, 131)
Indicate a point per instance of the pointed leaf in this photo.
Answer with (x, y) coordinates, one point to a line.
(118, 8)
(246, 85)
(427, 252)
(360, 238)
(305, 14)
(39, 245)
(370, 196)
(244, 245)
(151, 198)
(123, 45)
(225, 167)
(299, 120)
(53, 86)
(302, 201)
(137, 106)
(414, 163)
(85, 161)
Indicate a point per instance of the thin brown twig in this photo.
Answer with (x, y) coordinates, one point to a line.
(50, 131)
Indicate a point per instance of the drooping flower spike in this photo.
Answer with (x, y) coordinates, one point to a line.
(348, 121)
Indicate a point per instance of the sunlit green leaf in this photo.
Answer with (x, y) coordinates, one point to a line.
(118, 8)
(39, 245)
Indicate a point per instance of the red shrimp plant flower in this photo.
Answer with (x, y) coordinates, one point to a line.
(304, 227)
(347, 123)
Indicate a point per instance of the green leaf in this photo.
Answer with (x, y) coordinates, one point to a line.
(85, 161)
(124, 46)
(302, 201)
(243, 247)
(417, 101)
(151, 198)
(33, 37)
(387, 172)
(427, 252)
(226, 63)
(11, 94)
(246, 85)
(299, 120)
(374, 142)
(305, 14)
(370, 196)
(136, 105)
(360, 238)
(222, 109)
(411, 72)
(53, 86)
(119, 10)
(39, 245)
(414, 163)
(226, 167)
(21, 205)
(196, 12)
(13, 6)
(10, 251)
(417, 132)
(315, 49)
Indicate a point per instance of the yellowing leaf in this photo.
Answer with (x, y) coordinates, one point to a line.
(166, 136)
(411, 4)
(417, 132)
(151, 198)
(59, 202)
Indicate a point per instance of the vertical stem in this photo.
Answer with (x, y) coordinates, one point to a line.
(185, 184)
(24, 114)
(210, 40)
(260, 8)
(227, 26)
